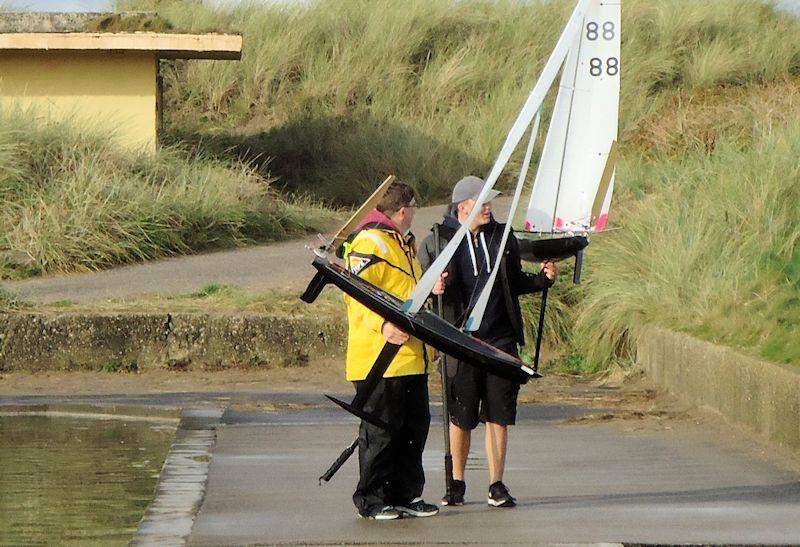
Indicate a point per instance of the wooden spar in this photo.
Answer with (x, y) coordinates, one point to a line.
(362, 211)
(605, 180)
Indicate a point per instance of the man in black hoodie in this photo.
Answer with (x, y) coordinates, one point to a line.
(475, 395)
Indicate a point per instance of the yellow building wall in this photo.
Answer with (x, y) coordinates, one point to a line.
(103, 89)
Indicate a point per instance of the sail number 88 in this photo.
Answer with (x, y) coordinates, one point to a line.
(594, 31)
(596, 66)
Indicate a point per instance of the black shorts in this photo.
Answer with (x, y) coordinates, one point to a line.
(476, 395)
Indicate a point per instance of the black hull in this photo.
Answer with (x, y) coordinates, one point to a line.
(424, 325)
(556, 248)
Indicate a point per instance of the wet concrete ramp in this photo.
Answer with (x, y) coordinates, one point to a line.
(602, 482)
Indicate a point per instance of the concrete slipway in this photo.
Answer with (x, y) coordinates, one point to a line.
(604, 482)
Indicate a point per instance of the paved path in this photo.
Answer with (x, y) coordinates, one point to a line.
(272, 266)
(574, 483)
(677, 480)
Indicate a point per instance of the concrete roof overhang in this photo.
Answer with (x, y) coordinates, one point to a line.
(163, 45)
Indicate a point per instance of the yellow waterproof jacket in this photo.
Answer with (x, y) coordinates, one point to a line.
(381, 255)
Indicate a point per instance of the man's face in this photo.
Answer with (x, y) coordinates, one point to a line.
(482, 218)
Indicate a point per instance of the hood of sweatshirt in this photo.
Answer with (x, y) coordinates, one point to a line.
(376, 219)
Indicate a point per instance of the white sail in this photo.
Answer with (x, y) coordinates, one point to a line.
(591, 128)
(423, 289)
(475, 318)
(542, 205)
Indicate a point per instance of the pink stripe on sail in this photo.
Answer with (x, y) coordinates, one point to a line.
(601, 222)
(528, 226)
(559, 222)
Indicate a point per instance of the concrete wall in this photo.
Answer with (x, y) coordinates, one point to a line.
(762, 396)
(106, 88)
(38, 342)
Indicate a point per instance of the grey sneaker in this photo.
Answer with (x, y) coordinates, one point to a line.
(382, 513)
(456, 494)
(499, 496)
(418, 508)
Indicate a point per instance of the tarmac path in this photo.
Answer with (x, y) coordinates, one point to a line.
(594, 483)
(282, 265)
(582, 474)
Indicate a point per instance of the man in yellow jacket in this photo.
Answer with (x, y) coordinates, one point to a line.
(382, 251)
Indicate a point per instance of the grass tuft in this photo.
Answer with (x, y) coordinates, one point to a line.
(10, 301)
(72, 200)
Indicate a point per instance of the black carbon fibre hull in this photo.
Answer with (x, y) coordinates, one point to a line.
(424, 325)
(556, 248)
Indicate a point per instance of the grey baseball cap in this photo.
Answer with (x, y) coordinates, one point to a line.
(469, 187)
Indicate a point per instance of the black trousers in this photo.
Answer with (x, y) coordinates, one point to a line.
(390, 462)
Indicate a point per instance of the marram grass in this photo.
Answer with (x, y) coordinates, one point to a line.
(714, 253)
(73, 200)
(332, 95)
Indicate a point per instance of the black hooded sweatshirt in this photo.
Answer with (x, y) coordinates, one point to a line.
(468, 273)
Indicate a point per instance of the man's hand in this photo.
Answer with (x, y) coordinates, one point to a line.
(438, 287)
(550, 269)
(393, 334)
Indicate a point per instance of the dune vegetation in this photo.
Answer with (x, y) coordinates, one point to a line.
(75, 200)
(332, 95)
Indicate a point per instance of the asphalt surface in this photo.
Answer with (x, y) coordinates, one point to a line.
(284, 265)
(577, 480)
(595, 483)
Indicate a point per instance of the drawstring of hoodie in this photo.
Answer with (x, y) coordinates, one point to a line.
(474, 260)
(485, 253)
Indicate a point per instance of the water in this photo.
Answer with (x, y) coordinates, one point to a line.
(75, 480)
